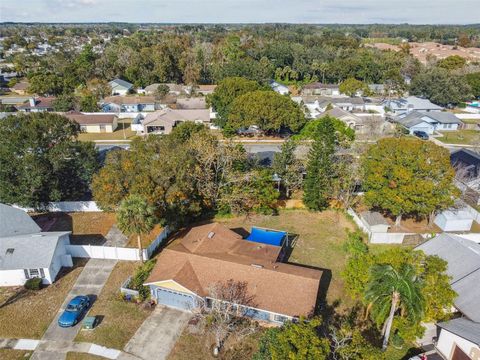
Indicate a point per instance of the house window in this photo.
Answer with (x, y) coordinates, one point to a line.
(280, 318)
(34, 273)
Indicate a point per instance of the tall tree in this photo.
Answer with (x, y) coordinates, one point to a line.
(320, 167)
(352, 86)
(135, 216)
(288, 167)
(226, 92)
(268, 110)
(41, 160)
(390, 290)
(408, 176)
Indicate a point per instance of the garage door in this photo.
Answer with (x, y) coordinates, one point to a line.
(175, 299)
(458, 354)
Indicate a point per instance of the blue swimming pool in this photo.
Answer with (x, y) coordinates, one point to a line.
(474, 104)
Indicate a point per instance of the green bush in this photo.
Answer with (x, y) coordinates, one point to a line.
(33, 284)
(136, 283)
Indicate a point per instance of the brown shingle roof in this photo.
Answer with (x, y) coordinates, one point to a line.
(130, 100)
(84, 119)
(199, 261)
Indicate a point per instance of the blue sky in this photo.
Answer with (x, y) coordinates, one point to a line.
(241, 11)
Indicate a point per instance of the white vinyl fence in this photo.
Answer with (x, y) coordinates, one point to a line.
(157, 242)
(105, 252)
(67, 206)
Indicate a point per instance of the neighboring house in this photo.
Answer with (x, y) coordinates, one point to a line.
(428, 122)
(27, 252)
(410, 103)
(467, 167)
(459, 338)
(120, 87)
(351, 120)
(279, 88)
(128, 103)
(174, 89)
(20, 88)
(163, 121)
(319, 88)
(94, 123)
(39, 104)
(316, 105)
(210, 254)
(191, 103)
(205, 89)
(377, 89)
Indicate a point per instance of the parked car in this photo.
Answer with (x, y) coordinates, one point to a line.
(421, 134)
(74, 311)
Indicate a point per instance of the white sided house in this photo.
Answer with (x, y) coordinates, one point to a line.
(26, 252)
(429, 122)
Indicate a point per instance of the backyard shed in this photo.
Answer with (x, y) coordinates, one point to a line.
(454, 220)
(375, 221)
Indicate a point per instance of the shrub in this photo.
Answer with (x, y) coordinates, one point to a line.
(33, 284)
(136, 283)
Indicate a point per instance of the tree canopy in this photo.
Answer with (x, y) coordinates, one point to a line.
(268, 110)
(352, 86)
(406, 176)
(41, 160)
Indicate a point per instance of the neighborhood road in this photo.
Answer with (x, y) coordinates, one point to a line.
(155, 338)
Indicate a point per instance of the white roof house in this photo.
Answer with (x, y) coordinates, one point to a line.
(120, 87)
(27, 252)
(459, 338)
(411, 103)
(279, 88)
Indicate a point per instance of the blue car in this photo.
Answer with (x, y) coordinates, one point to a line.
(74, 311)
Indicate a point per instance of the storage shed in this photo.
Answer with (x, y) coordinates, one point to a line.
(454, 220)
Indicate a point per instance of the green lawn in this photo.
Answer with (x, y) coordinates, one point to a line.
(27, 313)
(122, 132)
(463, 137)
(319, 243)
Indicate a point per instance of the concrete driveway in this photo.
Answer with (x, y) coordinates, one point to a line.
(157, 335)
(90, 282)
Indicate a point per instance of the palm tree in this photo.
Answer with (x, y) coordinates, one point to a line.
(136, 216)
(390, 290)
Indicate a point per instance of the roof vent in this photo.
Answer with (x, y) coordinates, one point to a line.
(211, 234)
(257, 266)
(9, 251)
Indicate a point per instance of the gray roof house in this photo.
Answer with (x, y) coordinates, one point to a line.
(120, 87)
(461, 336)
(27, 252)
(428, 122)
(410, 103)
(163, 121)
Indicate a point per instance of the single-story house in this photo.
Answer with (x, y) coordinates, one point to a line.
(205, 89)
(410, 103)
(163, 121)
(94, 123)
(459, 338)
(279, 88)
(454, 220)
(318, 88)
(20, 88)
(191, 103)
(428, 122)
(351, 120)
(174, 89)
(120, 87)
(26, 252)
(207, 255)
(316, 105)
(128, 103)
(39, 104)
